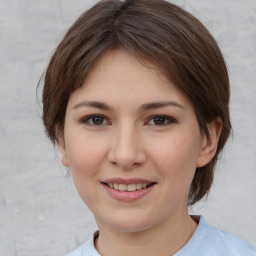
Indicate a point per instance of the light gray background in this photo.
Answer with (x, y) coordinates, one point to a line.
(40, 211)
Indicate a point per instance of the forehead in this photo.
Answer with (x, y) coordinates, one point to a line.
(120, 78)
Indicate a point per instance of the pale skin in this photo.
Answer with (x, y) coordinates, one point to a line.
(129, 122)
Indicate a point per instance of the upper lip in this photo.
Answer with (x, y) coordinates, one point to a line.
(127, 181)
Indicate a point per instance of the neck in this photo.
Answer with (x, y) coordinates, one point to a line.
(164, 239)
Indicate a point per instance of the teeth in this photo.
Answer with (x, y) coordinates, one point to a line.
(139, 186)
(130, 187)
(122, 187)
(116, 186)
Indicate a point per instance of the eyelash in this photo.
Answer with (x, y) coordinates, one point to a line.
(169, 120)
(89, 120)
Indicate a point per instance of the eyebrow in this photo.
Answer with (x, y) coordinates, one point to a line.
(94, 104)
(144, 107)
(154, 105)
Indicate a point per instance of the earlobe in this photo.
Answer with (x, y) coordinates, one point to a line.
(64, 160)
(209, 145)
(64, 157)
(62, 146)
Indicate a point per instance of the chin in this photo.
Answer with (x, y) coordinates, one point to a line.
(132, 228)
(126, 224)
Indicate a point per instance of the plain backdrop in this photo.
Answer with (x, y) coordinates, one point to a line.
(40, 211)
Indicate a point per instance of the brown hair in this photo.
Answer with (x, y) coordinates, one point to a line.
(156, 31)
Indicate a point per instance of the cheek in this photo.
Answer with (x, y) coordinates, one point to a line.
(85, 162)
(84, 156)
(176, 157)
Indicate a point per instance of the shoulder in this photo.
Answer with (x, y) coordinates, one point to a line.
(86, 249)
(228, 244)
(210, 241)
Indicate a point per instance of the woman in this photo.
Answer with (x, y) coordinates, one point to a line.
(137, 98)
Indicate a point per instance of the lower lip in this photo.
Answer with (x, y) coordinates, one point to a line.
(128, 196)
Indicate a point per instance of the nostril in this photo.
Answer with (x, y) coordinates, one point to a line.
(126, 153)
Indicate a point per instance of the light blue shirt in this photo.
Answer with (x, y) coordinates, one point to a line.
(206, 241)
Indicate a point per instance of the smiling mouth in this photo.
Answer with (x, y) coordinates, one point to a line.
(129, 187)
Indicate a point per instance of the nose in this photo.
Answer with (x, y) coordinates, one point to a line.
(126, 149)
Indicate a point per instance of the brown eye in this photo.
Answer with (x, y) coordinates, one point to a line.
(95, 120)
(160, 120)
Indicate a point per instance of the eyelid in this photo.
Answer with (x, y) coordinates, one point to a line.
(168, 118)
(84, 120)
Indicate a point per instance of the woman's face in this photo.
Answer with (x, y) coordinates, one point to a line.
(130, 128)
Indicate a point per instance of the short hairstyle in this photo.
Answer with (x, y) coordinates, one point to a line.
(155, 31)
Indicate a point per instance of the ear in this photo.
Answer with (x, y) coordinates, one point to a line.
(59, 131)
(209, 145)
(64, 156)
